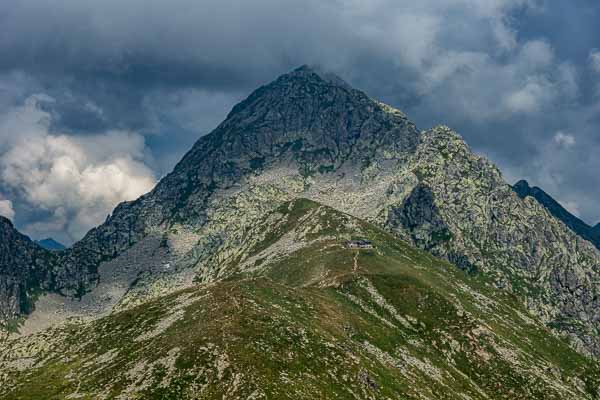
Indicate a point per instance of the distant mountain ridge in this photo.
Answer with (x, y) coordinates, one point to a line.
(587, 232)
(50, 244)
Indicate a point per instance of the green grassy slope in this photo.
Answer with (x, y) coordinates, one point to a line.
(303, 317)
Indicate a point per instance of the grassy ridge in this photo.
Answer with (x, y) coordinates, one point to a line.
(321, 321)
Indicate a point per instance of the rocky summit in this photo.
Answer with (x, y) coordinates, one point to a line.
(587, 232)
(233, 278)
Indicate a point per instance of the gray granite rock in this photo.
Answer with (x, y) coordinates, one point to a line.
(587, 232)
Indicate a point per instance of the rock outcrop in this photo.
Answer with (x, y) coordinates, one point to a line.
(25, 268)
(28, 270)
(517, 241)
(587, 232)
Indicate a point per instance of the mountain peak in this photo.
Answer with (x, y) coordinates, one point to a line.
(304, 67)
(296, 85)
(592, 234)
(271, 198)
(304, 70)
(317, 72)
(310, 110)
(445, 139)
(522, 188)
(522, 183)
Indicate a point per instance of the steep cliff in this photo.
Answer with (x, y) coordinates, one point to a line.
(25, 269)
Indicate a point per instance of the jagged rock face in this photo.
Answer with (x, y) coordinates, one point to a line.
(518, 241)
(419, 216)
(24, 268)
(300, 120)
(27, 270)
(587, 232)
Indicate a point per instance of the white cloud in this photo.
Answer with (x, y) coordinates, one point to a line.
(439, 39)
(6, 209)
(527, 99)
(594, 63)
(594, 59)
(478, 86)
(564, 139)
(536, 54)
(536, 80)
(78, 180)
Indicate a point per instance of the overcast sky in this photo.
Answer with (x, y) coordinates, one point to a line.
(99, 99)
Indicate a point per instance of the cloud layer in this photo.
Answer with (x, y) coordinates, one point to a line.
(520, 79)
(75, 180)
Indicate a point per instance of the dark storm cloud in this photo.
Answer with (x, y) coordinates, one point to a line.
(112, 53)
(517, 78)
